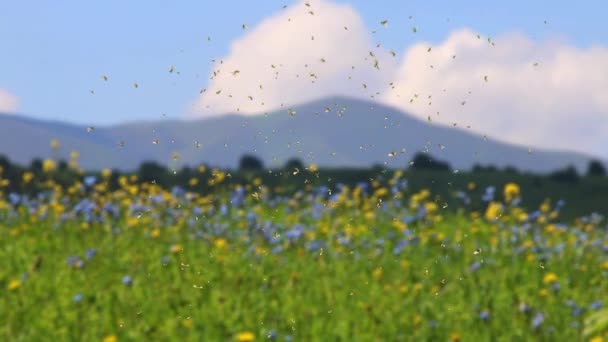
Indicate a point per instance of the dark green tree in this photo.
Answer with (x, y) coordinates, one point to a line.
(424, 161)
(250, 162)
(565, 175)
(294, 163)
(596, 169)
(151, 171)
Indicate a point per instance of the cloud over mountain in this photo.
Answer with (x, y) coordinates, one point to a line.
(545, 94)
(515, 89)
(8, 102)
(300, 54)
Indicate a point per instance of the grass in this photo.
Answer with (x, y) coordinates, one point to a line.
(229, 275)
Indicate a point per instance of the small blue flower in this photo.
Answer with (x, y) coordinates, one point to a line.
(90, 253)
(484, 315)
(475, 266)
(596, 305)
(538, 320)
(577, 311)
(127, 280)
(77, 298)
(90, 180)
(272, 335)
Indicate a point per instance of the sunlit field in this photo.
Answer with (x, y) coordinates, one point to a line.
(372, 262)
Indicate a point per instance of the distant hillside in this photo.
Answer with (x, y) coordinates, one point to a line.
(330, 132)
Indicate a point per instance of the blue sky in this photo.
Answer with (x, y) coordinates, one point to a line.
(53, 53)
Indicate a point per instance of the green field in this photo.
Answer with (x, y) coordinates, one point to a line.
(374, 262)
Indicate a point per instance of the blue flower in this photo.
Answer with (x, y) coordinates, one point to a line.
(90, 180)
(14, 198)
(596, 305)
(77, 298)
(272, 335)
(91, 253)
(577, 311)
(484, 315)
(538, 320)
(127, 280)
(72, 260)
(475, 266)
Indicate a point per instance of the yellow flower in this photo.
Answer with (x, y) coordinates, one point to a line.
(245, 336)
(187, 323)
(381, 192)
(494, 211)
(27, 177)
(550, 278)
(110, 338)
(193, 181)
(313, 168)
(48, 165)
(106, 173)
(74, 154)
(511, 191)
(176, 249)
(597, 339)
(377, 273)
(14, 284)
(545, 207)
(202, 169)
(220, 243)
(454, 337)
(430, 207)
(155, 233)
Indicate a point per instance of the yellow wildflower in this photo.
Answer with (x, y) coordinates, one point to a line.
(110, 338)
(550, 278)
(220, 243)
(245, 336)
(48, 165)
(494, 211)
(176, 249)
(14, 284)
(378, 273)
(106, 173)
(27, 177)
(511, 191)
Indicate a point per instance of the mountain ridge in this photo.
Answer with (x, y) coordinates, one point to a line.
(334, 131)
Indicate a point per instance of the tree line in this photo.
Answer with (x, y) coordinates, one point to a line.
(12, 174)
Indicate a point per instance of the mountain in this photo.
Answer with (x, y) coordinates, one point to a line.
(334, 131)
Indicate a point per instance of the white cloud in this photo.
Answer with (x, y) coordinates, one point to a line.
(8, 102)
(286, 41)
(560, 103)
